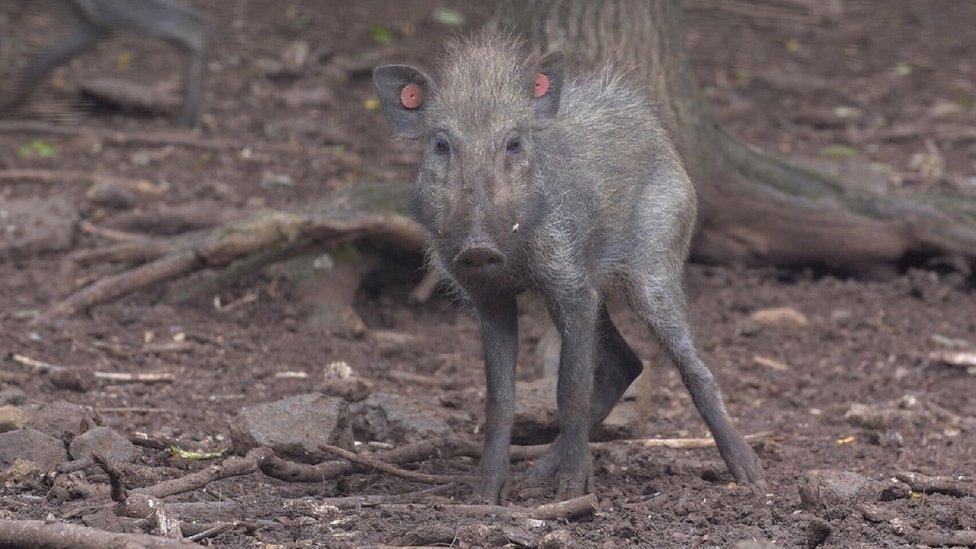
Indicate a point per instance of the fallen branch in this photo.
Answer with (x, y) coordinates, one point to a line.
(930, 538)
(567, 510)
(351, 214)
(562, 510)
(170, 138)
(56, 535)
(17, 175)
(290, 471)
(937, 485)
(115, 377)
(373, 463)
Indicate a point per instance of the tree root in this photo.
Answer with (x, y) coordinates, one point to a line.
(56, 535)
(360, 212)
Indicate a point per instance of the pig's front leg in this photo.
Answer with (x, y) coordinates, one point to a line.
(577, 319)
(499, 336)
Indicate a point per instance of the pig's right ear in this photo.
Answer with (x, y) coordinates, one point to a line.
(404, 93)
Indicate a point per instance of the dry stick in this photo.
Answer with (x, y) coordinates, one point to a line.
(560, 510)
(290, 471)
(118, 285)
(172, 138)
(56, 535)
(123, 377)
(144, 501)
(937, 485)
(111, 234)
(119, 493)
(216, 530)
(372, 463)
(67, 176)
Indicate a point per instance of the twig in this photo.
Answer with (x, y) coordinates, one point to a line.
(568, 509)
(76, 465)
(172, 138)
(125, 377)
(561, 510)
(69, 176)
(372, 463)
(215, 531)
(138, 377)
(119, 493)
(937, 485)
(111, 234)
(934, 538)
(134, 410)
(230, 467)
(771, 364)
(57, 535)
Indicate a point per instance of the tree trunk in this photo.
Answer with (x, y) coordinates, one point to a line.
(755, 208)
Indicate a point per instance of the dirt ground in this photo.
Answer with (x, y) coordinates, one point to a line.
(808, 91)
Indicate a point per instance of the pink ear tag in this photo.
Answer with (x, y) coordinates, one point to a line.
(411, 96)
(541, 85)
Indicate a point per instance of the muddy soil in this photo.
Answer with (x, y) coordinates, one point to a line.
(807, 90)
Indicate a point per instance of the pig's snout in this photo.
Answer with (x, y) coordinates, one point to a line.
(480, 257)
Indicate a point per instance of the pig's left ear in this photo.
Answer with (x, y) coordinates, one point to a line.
(404, 94)
(547, 85)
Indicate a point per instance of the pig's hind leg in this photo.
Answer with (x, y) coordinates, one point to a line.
(82, 37)
(187, 30)
(617, 366)
(658, 298)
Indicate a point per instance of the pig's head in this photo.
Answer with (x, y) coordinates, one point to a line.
(479, 190)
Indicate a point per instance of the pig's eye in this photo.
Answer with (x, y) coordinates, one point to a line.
(514, 145)
(441, 146)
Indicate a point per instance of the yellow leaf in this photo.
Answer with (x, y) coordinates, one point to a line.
(793, 45)
(122, 61)
(846, 440)
(371, 104)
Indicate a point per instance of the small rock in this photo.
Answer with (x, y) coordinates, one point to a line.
(104, 442)
(294, 427)
(12, 417)
(352, 389)
(106, 520)
(68, 487)
(111, 196)
(21, 471)
(31, 445)
(817, 532)
(835, 489)
(385, 417)
(780, 316)
(61, 419)
(79, 381)
(30, 226)
(559, 539)
(13, 396)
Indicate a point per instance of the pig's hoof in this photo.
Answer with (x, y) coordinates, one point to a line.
(492, 491)
(744, 464)
(548, 465)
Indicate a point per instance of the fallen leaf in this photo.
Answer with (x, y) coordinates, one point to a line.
(447, 16)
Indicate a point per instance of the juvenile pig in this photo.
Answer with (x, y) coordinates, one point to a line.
(532, 180)
(88, 21)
